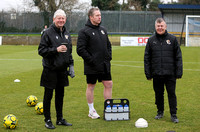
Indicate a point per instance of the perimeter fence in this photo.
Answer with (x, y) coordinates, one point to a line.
(113, 21)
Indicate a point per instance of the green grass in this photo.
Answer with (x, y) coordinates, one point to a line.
(23, 34)
(24, 63)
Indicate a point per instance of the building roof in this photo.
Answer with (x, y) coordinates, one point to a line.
(178, 7)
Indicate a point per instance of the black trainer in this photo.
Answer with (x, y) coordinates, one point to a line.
(49, 125)
(174, 118)
(63, 122)
(159, 115)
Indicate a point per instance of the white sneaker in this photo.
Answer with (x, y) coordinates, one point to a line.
(93, 114)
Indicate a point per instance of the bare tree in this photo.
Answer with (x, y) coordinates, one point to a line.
(48, 7)
(52, 5)
(189, 2)
(106, 4)
(153, 5)
(138, 5)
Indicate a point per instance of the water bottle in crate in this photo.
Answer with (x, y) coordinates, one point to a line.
(108, 111)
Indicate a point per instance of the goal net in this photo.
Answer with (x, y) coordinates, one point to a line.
(192, 37)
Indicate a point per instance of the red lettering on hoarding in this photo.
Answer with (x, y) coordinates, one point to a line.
(142, 40)
(145, 40)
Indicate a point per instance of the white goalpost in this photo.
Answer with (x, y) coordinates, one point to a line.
(192, 37)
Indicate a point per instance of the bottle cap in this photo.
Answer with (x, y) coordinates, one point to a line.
(126, 105)
(108, 106)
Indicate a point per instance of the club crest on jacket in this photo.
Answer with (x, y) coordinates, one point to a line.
(168, 41)
(102, 32)
(66, 36)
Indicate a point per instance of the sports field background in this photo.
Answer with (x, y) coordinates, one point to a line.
(24, 63)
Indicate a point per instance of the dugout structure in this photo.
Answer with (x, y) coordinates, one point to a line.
(175, 17)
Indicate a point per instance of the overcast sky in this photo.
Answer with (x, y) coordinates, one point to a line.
(18, 4)
(7, 4)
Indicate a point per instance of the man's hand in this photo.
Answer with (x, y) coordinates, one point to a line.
(62, 48)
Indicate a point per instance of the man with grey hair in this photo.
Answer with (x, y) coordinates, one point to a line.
(94, 47)
(163, 64)
(56, 49)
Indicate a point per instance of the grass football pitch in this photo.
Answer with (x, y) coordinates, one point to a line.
(24, 63)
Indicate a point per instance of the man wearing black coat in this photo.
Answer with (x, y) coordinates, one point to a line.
(163, 63)
(94, 47)
(55, 47)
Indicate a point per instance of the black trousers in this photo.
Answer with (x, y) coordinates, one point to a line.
(158, 84)
(59, 95)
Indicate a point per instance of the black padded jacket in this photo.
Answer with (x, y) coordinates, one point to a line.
(163, 56)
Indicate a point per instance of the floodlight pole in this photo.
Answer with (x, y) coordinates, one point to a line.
(120, 18)
(182, 28)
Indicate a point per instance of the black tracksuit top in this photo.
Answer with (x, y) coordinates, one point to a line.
(94, 47)
(50, 40)
(163, 56)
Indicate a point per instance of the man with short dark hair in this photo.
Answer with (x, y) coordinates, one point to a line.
(163, 63)
(95, 48)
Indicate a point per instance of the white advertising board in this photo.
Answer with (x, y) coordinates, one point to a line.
(0, 40)
(133, 41)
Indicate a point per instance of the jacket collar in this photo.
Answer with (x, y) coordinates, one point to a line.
(58, 29)
(91, 25)
(163, 35)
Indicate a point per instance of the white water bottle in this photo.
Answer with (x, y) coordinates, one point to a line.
(114, 110)
(120, 112)
(108, 108)
(108, 114)
(126, 112)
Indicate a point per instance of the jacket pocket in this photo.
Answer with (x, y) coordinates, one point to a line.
(61, 61)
